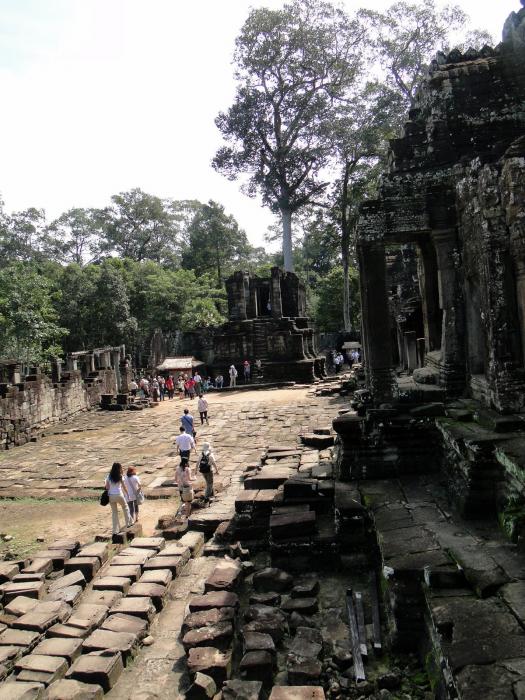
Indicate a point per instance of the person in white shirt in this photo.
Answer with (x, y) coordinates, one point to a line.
(117, 492)
(185, 443)
(183, 479)
(133, 487)
(233, 375)
(202, 406)
(133, 387)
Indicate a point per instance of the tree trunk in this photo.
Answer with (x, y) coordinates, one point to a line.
(286, 215)
(346, 289)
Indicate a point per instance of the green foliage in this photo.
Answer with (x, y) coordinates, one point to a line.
(28, 321)
(329, 312)
(201, 313)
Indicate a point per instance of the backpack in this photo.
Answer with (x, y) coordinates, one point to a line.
(204, 464)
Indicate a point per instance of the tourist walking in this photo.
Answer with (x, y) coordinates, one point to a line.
(117, 493)
(247, 370)
(134, 489)
(189, 385)
(233, 375)
(155, 390)
(202, 405)
(180, 387)
(188, 423)
(198, 382)
(184, 480)
(185, 443)
(170, 387)
(207, 464)
(162, 386)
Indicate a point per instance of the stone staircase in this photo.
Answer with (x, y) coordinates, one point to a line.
(260, 346)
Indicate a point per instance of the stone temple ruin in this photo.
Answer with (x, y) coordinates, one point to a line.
(267, 322)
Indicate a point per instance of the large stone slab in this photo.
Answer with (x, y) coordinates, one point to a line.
(87, 565)
(272, 580)
(20, 605)
(70, 595)
(214, 599)
(112, 583)
(7, 571)
(96, 549)
(193, 540)
(138, 559)
(19, 638)
(57, 556)
(225, 577)
(22, 691)
(107, 598)
(174, 564)
(162, 577)
(297, 692)
(131, 624)
(138, 607)
(211, 662)
(242, 690)
(75, 578)
(219, 636)
(30, 589)
(97, 669)
(123, 642)
(156, 543)
(131, 572)
(257, 666)
(69, 649)
(205, 618)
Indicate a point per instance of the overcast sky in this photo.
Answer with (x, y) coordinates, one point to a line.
(100, 96)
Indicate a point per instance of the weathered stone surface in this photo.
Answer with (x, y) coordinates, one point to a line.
(106, 598)
(156, 591)
(211, 662)
(242, 690)
(97, 669)
(303, 671)
(43, 616)
(305, 649)
(156, 543)
(265, 599)
(39, 566)
(307, 589)
(29, 589)
(7, 571)
(138, 559)
(22, 691)
(270, 580)
(303, 606)
(20, 606)
(75, 578)
(174, 564)
(70, 595)
(257, 666)
(132, 571)
(297, 692)
(225, 577)
(130, 624)
(193, 540)
(19, 638)
(88, 566)
(96, 549)
(219, 636)
(257, 641)
(57, 556)
(68, 631)
(112, 583)
(203, 618)
(67, 689)
(163, 577)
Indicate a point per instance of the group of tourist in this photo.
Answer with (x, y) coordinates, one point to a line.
(123, 490)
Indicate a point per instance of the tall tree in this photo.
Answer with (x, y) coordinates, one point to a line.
(292, 66)
(76, 235)
(215, 242)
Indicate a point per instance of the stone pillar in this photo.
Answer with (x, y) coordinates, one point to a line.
(71, 363)
(275, 293)
(56, 370)
(91, 363)
(410, 350)
(376, 320)
(14, 373)
(429, 289)
(115, 361)
(104, 360)
(235, 286)
(453, 371)
(126, 375)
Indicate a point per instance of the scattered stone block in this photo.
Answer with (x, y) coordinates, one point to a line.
(162, 577)
(30, 589)
(211, 662)
(242, 690)
(272, 580)
(70, 595)
(225, 577)
(19, 638)
(40, 619)
(7, 571)
(274, 627)
(214, 599)
(46, 668)
(193, 540)
(219, 636)
(100, 550)
(156, 543)
(132, 572)
(155, 591)
(176, 549)
(303, 671)
(87, 616)
(307, 589)
(126, 623)
(138, 607)
(127, 535)
(257, 641)
(67, 632)
(8, 656)
(39, 566)
(303, 606)
(138, 559)
(20, 605)
(303, 648)
(202, 688)
(68, 649)
(98, 669)
(206, 618)
(174, 564)
(71, 545)
(24, 578)
(88, 566)
(75, 578)
(57, 556)
(107, 598)
(265, 599)
(318, 441)
(67, 689)
(292, 525)
(257, 666)
(112, 583)
(123, 642)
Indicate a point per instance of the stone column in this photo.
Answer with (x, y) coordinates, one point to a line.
(126, 375)
(429, 288)
(115, 361)
(71, 363)
(376, 320)
(275, 293)
(14, 374)
(453, 371)
(56, 370)
(410, 350)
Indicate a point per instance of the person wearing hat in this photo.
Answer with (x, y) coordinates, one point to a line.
(233, 375)
(207, 464)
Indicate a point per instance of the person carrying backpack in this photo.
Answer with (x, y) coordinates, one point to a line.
(206, 466)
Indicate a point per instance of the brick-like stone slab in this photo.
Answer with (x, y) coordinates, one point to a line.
(123, 642)
(211, 662)
(112, 583)
(174, 564)
(57, 556)
(20, 605)
(69, 649)
(98, 669)
(156, 591)
(133, 571)
(272, 580)
(75, 578)
(193, 540)
(19, 638)
(132, 551)
(219, 636)
(214, 599)
(297, 692)
(39, 566)
(67, 632)
(70, 595)
(245, 499)
(67, 689)
(242, 690)
(138, 559)
(139, 607)
(8, 655)
(96, 549)
(176, 549)
(71, 545)
(87, 565)
(257, 641)
(157, 543)
(35, 621)
(30, 589)
(107, 598)
(160, 576)
(257, 665)
(126, 623)
(88, 616)
(43, 663)
(25, 578)
(7, 571)
(303, 606)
